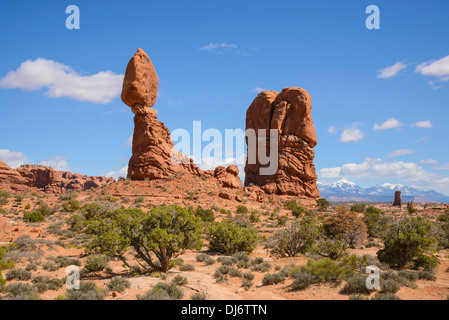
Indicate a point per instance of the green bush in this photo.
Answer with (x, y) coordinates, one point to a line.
(270, 279)
(375, 221)
(35, 216)
(333, 249)
(198, 296)
(322, 204)
(356, 285)
(18, 274)
(71, 206)
(242, 210)
(254, 217)
(326, 270)
(409, 241)
(96, 263)
(205, 215)
(187, 267)
(164, 231)
(227, 237)
(303, 280)
(63, 262)
(385, 296)
(21, 291)
(87, 291)
(180, 280)
(45, 283)
(163, 291)
(390, 286)
(297, 237)
(358, 207)
(118, 284)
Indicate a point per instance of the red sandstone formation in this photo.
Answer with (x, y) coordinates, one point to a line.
(153, 154)
(397, 199)
(289, 112)
(46, 179)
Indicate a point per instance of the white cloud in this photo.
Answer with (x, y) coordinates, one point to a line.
(259, 89)
(352, 134)
(62, 81)
(423, 124)
(172, 103)
(129, 141)
(435, 68)
(123, 172)
(388, 124)
(378, 168)
(401, 152)
(219, 48)
(58, 163)
(443, 167)
(13, 159)
(391, 71)
(332, 129)
(429, 161)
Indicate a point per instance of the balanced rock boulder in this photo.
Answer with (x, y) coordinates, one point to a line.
(229, 177)
(290, 113)
(153, 153)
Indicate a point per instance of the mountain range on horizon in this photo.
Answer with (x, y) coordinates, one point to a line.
(345, 190)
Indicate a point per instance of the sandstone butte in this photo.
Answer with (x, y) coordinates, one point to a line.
(290, 113)
(28, 178)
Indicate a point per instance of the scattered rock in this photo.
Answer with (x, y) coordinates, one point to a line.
(224, 195)
(229, 177)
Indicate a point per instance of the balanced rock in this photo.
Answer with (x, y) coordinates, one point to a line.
(290, 113)
(229, 177)
(153, 153)
(397, 199)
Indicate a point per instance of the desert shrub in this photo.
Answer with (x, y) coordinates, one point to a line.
(32, 266)
(356, 285)
(164, 231)
(205, 215)
(71, 206)
(412, 209)
(290, 270)
(34, 216)
(21, 291)
(69, 195)
(375, 221)
(198, 296)
(333, 249)
(254, 216)
(426, 275)
(227, 237)
(408, 241)
(270, 279)
(187, 267)
(390, 286)
(326, 270)
(226, 261)
(242, 210)
(118, 284)
(358, 207)
(297, 237)
(207, 259)
(357, 297)
(180, 280)
(322, 204)
(282, 221)
(45, 283)
(50, 266)
(63, 262)
(385, 296)
(248, 276)
(163, 291)
(247, 284)
(261, 267)
(18, 274)
(302, 281)
(87, 291)
(227, 270)
(96, 263)
(241, 256)
(344, 221)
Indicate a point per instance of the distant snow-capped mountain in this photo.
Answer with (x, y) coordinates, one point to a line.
(345, 190)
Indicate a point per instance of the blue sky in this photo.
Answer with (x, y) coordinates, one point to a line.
(380, 97)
